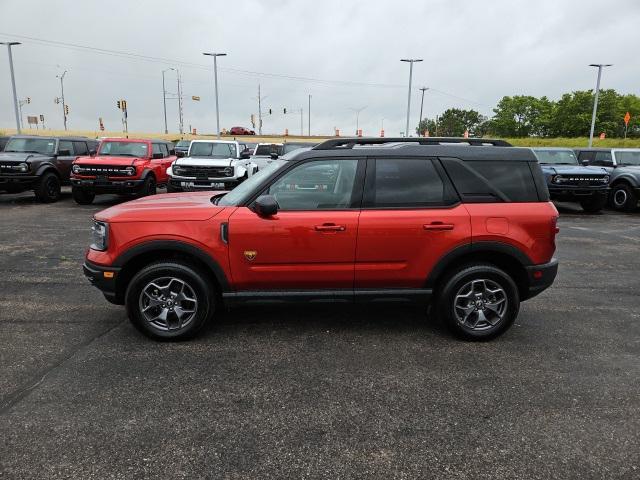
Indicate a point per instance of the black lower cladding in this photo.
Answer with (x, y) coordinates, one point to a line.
(109, 186)
(106, 284)
(17, 183)
(384, 295)
(541, 277)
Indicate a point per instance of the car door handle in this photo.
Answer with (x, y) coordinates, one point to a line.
(438, 226)
(330, 227)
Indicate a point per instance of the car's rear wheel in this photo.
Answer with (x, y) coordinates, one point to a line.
(478, 302)
(169, 300)
(594, 203)
(623, 197)
(171, 188)
(149, 187)
(47, 189)
(82, 196)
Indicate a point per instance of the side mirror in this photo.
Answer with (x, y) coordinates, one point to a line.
(64, 153)
(585, 163)
(156, 156)
(179, 154)
(274, 156)
(172, 152)
(93, 152)
(266, 206)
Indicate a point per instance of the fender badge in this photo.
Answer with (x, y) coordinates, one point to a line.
(250, 255)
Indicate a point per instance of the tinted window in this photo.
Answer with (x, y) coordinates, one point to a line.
(628, 157)
(405, 183)
(212, 150)
(80, 148)
(268, 149)
(589, 156)
(45, 146)
(603, 158)
(318, 185)
(155, 148)
(65, 145)
(123, 149)
(491, 181)
(164, 149)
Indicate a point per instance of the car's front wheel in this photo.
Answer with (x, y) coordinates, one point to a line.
(594, 203)
(169, 300)
(478, 302)
(623, 197)
(82, 196)
(149, 187)
(47, 189)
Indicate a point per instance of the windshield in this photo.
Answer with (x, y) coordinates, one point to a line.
(183, 143)
(212, 150)
(626, 157)
(123, 149)
(268, 149)
(557, 157)
(238, 194)
(44, 146)
(290, 147)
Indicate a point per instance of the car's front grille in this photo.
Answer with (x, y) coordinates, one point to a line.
(107, 170)
(199, 171)
(583, 180)
(11, 168)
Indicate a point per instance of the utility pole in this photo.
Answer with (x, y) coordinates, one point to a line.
(309, 112)
(301, 123)
(180, 113)
(215, 77)
(595, 101)
(423, 89)
(259, 112)
(164, 99)
(411, 61)
(13, 83)
(357, 110)
(64, 112)
(21, 103)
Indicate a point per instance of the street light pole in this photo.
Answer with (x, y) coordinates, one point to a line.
(411, 62)
(164, 99)
(309, 112)
(215, 80)
(13, 83)
(64, 112)
(358, 110)
(595, 101)
(423, 89)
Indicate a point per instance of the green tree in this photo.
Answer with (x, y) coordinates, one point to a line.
(519, 116)
(453, 122)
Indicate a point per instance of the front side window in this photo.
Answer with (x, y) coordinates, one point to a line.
(316, 185)
(155, 148)
(80, 148)
(124, 149)
(212, 150)
(43, 146)
(65, 147)
(628, 157)
(268, 150)
(407, 183)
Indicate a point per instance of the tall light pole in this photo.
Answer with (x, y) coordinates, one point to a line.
(358, 110)
(423, 89)
(411, 62)
(13, 82)
(64, 112)
(309, 112)
(215, 80)
(164, 100)
(595, 101)
(180, 113)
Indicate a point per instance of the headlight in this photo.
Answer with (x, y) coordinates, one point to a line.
(557, 179)
(228, 171)
(23, 167)
(605, 179)
(75, 169)
(99, 236)
(177, 170)
(131, 171)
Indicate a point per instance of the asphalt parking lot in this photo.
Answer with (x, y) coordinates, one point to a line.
(316, 393)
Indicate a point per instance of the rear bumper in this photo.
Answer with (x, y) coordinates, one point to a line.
(108, 186)
(106, 284)
(541, 277)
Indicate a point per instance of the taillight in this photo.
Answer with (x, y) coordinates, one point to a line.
(554, 226)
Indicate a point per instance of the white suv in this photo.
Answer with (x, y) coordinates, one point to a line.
(211, 164)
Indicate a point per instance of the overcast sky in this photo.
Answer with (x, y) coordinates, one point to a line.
(346, 54)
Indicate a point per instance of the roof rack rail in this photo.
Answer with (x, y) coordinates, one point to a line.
(347, 143)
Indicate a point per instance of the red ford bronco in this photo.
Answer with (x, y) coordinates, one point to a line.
(122, 165)
(465, 224)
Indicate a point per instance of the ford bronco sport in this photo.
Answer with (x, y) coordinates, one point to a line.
(465, 224)
(41, 164)
(124, 166)
(568, 181)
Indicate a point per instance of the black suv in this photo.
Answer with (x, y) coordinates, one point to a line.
(41, 164)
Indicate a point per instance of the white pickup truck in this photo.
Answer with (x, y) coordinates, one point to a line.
(210, 165)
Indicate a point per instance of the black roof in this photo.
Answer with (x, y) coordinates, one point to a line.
(53, 137)
(593, 149)
(463, 148)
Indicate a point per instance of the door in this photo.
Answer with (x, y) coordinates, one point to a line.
(66, 156)
(310, 243)
(410, 218)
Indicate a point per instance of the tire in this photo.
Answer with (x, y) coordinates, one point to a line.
(594, 203)
(47, 189)
(82, 196)
(149, 187)
(158, 288)
(623, 197)
(172, 189)
(482, 284)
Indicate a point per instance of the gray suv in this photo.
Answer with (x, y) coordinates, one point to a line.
(623, 165)
(41, 164)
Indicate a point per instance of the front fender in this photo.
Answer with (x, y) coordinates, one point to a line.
(630, 178)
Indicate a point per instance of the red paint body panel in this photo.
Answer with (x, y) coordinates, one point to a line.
(291, 253)
(398, 248)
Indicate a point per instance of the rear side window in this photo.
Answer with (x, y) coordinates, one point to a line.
(492, 181)
(80, 148)
(406, 183)
(155, 148)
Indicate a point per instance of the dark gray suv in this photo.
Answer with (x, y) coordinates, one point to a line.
(41, 164)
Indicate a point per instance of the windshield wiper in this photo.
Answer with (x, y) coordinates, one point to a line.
(22, 151)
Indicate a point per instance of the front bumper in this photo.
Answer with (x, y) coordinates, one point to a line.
(10, 182)
(104, 279)
(564, 191)
(189, 184)
(540, 277)
(108, 186)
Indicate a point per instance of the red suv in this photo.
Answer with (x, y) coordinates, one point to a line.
(241, 131)
(465, 225)
(122, 165)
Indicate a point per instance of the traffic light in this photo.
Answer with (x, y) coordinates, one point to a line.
(285, 110)
(66, 109)
(269, 111)
(119, 103)
(28, 99)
